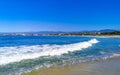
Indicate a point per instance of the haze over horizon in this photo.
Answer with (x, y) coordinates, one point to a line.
(62, 15)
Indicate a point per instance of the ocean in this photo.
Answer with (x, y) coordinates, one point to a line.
(19, 54)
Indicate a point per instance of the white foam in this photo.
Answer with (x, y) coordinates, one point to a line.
(16, 54)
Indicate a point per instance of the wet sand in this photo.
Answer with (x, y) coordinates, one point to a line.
(103, 67)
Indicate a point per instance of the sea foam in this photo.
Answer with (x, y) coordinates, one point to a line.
(18, 53)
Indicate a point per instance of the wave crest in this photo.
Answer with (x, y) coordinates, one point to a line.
(16, 54)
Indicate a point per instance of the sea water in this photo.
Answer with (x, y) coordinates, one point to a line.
(20, 54)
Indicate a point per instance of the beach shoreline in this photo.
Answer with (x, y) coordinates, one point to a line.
(99, 36)
(103, 67)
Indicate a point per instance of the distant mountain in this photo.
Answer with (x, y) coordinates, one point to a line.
(58, 32)
(107, 30)
(46, 32)
(104, 30)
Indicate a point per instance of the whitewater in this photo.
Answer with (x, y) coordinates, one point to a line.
(19, 53)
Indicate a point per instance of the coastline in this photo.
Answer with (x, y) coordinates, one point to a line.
(95, 36)
(103, 36)
(100, 36)
(103, 67)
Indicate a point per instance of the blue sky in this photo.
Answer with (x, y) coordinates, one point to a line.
(59, 15)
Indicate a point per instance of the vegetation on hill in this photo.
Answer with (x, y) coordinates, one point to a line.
(111, 33)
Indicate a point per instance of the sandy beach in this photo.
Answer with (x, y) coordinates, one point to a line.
(104, 67)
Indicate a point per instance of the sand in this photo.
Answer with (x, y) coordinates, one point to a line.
(103, 67)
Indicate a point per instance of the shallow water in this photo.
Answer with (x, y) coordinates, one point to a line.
(102, 67)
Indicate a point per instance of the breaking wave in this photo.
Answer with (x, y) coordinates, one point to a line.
(18, 53)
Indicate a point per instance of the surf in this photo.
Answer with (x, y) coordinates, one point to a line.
(18, 53)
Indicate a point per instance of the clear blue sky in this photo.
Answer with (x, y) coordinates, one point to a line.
(59, 15)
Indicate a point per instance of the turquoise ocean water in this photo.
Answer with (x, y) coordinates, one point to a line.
(20, 54)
